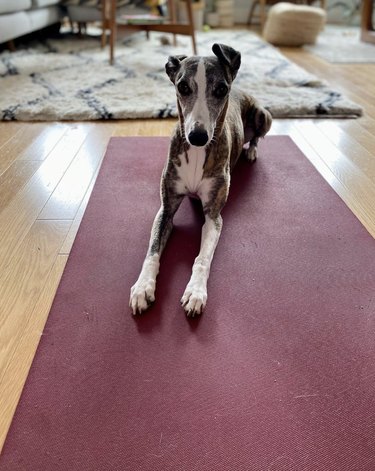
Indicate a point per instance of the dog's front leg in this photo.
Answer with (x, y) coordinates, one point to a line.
(142, 293)
(213, 200)
(195, 296)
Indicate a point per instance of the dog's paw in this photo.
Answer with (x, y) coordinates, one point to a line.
(252, 154)
(194, 300)
(142, 295)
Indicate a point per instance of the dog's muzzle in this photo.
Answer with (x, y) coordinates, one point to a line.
(198, 137)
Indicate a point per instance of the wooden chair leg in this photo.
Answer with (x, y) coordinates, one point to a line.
(173, 27)
(191, 23)
(262, 10)
(195, 50)
(104, 25)
(367, 28)
(172, 17)
(112, 29)
(251, 13)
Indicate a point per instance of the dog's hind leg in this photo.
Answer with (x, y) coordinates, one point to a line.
(250, 150)
(142, 293)
(258, 123)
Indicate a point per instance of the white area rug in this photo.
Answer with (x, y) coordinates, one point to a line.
(71, 79)
(342, 44)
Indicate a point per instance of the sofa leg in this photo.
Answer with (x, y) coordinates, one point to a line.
(11, 45)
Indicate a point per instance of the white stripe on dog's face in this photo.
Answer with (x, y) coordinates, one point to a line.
(202, 87)
(200, 115)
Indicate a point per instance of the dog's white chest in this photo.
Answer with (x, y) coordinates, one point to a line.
(191, 170)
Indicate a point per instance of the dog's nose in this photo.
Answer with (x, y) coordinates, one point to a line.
(198, 137)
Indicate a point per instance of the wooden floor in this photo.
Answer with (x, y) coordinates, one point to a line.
(47, 171)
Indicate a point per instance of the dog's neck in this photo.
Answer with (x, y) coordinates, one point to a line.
(181, 120)
(220, 122)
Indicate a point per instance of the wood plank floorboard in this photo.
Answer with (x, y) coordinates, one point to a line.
(68, 194)
(48, 170)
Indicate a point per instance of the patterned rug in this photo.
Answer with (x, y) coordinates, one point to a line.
(342, 44)
(71, 79)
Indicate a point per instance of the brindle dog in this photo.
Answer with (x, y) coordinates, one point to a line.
(216, 125)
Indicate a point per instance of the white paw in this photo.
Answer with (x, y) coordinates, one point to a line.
(194, 299)
(252, 154)
(142, 294)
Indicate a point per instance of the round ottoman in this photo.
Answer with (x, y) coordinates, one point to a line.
(293, 25)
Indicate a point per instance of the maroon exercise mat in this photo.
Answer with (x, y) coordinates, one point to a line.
(279, 372)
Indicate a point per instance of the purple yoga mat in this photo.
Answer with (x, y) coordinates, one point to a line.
(279, 372)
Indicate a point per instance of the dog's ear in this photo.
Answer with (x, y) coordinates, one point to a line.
(173, 66)
(228, 56)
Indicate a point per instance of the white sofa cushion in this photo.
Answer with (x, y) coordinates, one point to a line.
(44, 17)
(14, 25)
(44, 3)
(11, 6)
(94, 3)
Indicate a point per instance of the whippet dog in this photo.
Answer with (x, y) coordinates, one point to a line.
(216, 125)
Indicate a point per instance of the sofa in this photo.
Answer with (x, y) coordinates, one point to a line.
(20, 17)
(85, 11)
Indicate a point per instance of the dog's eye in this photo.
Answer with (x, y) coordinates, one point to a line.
(221, 90)
(183, 88)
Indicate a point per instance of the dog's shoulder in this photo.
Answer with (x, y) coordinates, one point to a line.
(253, 114)
(242, 100)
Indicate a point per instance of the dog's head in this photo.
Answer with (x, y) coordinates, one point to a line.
(202, 87)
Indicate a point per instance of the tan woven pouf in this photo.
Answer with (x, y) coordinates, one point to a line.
(293, 25)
